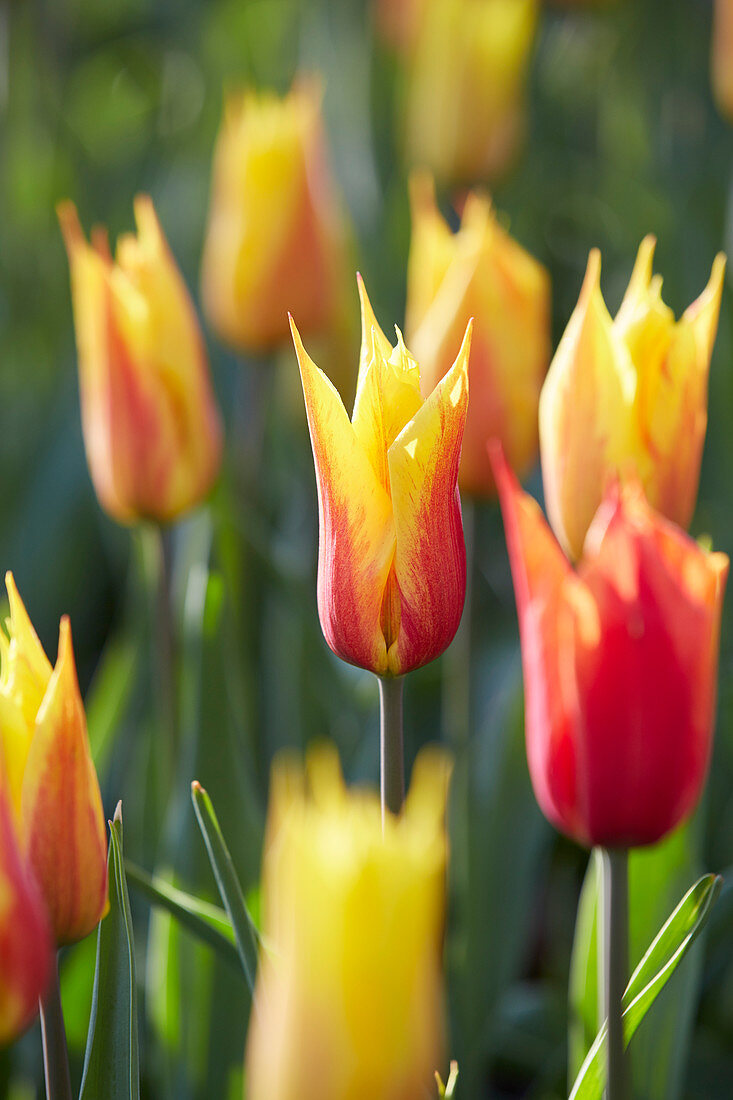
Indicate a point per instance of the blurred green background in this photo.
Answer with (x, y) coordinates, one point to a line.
(100, 101)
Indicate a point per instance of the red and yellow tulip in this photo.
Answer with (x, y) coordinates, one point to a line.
(349, 992)
(627, 396)
(479, 272)
(391, 560)
(52, 785)
(620, 665)
(151, 426)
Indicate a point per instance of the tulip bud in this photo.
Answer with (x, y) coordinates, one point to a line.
(391, 558)
(25, 941)
(151, 426)
(479, 272)
(722, 56)
(620, 665)
(275, 238)
(348, 993)
(51, 777)
(465, 117)
(627, 396)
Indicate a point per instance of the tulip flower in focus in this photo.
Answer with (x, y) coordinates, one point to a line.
(52, 784)
(391, 557)
(466, 86)
(349, 993)
(620, 665)
(25, 941)
(151, 426)
(276, 238)
(479, 272)
(627, 396)
(722, 56)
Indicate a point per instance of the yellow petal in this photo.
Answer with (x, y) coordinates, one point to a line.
(373, 341)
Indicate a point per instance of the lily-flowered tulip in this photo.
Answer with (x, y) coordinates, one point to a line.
(391, 557)
(348, 993)
(151, 426)
(620, 665)
(722, 55)
(25, 941)
(276, 237)
(627, 396)
(465, 110)
(479, 272)
(53, 787)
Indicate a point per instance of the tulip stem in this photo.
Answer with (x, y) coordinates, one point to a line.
(391, 744)
(53, 1033)
(615, 966)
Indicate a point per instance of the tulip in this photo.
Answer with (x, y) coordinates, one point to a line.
(481, 272)
(275, 238)
(465, 110)
(620, 665)
(627, 396)
(722, 56)
(391, 558)
(25, 941)
(348, 995)
(151, 426)
(53, 787)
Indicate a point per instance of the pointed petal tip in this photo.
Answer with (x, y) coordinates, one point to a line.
(71, 229)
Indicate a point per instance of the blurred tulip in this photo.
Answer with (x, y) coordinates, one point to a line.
(51, 779)
(722, 56)
(397, 21)
(465, 110)
(391, 559)
(627, 396)
(479, 272)
(151, 426)
(349, 998)
(25, 941)
(620, 665)
(276, 238)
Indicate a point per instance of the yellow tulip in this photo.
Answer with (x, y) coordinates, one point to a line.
(349, 989)
(627, 396)
(151, 426)
(465, 110)
(49, 774)
(275, 239)
(722, 55)
(480, 272)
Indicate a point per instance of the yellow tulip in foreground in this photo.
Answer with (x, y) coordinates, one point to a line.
(348, 994)
(479, 272)
(391, 559)
(49, 774)
(722, 56)
(627, 396)
(151, 426)
(275, 239)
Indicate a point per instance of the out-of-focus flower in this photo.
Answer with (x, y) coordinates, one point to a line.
(151, 426)
(627, 396)
(397, 21)
(276, 236)
(391, 558)
(722, 56)
(465, 109)
(349, 999)
(25, 941)
(620, 665)
(479, 272)
(50, 775)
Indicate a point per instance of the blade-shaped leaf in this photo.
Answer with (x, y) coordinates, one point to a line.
(651, 975)
(111, 1062)
(245, 933)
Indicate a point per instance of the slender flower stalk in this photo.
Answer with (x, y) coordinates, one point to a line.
(615, 949)
(53, 1033)
(391, 744)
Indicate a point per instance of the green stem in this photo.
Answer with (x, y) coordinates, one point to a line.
(53, 1033)
(615, 966)
(164, 639)
(391, 744)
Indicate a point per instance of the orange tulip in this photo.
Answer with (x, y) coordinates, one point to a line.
(722, 56)
(51, 779)
(275, 239)
(151, 426)
(479, 272)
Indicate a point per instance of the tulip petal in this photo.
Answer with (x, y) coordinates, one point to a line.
(374, 344)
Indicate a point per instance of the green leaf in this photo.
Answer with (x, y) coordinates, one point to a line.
(208, 922)
(245, 932)
(583, 986)
(651, 975)
(111, 1063)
